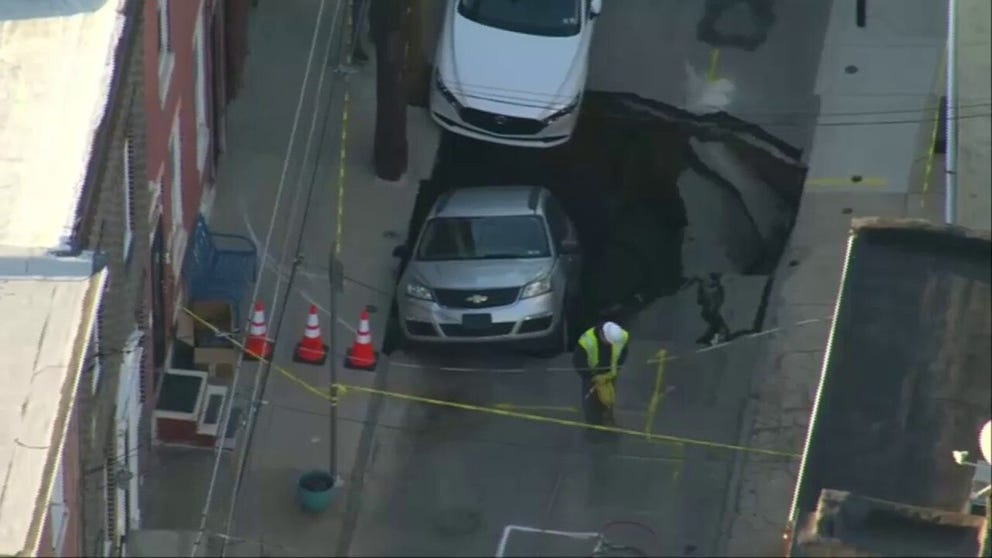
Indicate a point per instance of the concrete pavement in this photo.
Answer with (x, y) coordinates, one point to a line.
(974, 25)
(896, 58)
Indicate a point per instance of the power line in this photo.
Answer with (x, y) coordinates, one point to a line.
(261, 380)
(205, 512)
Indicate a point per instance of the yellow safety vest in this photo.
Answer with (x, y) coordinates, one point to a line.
(590, 343)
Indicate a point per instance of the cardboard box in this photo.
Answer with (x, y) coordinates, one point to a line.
(211, 357)
(217, 314)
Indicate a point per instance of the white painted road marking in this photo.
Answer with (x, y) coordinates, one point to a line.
(578, 535)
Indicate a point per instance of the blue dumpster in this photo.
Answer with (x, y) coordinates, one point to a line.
(316, 488)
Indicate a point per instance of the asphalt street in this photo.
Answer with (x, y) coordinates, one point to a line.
(443, 481)
(425, 479)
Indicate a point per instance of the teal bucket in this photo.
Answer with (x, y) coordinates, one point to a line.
(316, 488)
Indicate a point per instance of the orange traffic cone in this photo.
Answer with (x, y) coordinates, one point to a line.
(257, 345)
(361, 355)
(311, 350)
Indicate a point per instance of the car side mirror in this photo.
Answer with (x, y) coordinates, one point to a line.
(595, 7)
(401, 252)
(569, 247)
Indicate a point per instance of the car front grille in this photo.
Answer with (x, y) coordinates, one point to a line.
(480, 298)
(500, 124)
(458, 330)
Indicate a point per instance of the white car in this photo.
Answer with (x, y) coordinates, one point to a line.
(513, 71)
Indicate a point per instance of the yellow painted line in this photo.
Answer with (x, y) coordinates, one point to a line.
(341, 389)
(928, 168)
(867, 181)
(659, 382)
(553, 408)
(714, 64)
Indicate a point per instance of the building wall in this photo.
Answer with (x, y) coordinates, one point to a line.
(120, 203)
(170, 102)
(65, 501)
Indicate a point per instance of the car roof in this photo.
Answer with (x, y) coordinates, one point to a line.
(489, 201)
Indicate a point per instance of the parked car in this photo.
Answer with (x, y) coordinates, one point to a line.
(491, 264)
(513, 71)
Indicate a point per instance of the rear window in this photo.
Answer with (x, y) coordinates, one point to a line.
(549, 18)
(478, 238)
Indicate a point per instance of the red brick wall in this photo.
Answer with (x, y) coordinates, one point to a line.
(163, 110)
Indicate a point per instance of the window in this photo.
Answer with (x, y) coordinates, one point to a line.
(477, 238)
(549, 18)
(96, 347)
(199, 75)
(58, 512)
(557, 221)
(166, 57)
(127, 183)
(213, 410)
(177, 240)
(155, 202)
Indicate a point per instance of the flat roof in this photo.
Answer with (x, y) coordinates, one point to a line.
(56, 67)
(906, 374)
(48, 306)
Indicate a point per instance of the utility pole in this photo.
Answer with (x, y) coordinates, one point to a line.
(388, 22)
(336, 280)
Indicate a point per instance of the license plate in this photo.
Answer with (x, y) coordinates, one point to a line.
(477, 321)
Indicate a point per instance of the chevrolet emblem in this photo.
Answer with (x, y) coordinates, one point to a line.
(477, 299)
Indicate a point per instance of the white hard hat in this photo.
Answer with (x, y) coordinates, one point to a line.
(613, 333)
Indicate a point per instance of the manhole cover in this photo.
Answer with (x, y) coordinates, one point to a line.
(852, 69)
(458, 521)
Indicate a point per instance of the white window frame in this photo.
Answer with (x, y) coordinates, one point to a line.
(200, 397)
(155, 203)
(128, 190)
(211, 428)
(58, 512)
(200, 92)
(128, 417)
(166, 54)
(177, 236)
(97, 371)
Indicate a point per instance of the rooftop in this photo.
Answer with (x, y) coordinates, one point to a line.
(48, 307)
(906, 376)
(56, 64)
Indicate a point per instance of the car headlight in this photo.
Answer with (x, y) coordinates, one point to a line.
(564, 111)
(444, 91)
(535, 288)
(416, 290)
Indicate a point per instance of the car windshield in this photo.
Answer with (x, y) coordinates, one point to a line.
(550, 18)
(477, 238)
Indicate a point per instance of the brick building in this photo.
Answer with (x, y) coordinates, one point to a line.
(190, 49)
(74, 237)
(104, 170)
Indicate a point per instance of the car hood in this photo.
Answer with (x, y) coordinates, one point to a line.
(479, 274)
(516, 74)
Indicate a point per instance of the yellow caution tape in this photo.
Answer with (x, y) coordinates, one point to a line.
(341, 389)
(656, 394)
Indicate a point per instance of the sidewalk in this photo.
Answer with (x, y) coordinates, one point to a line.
(292, 429)
(897, 58)
(975, 125)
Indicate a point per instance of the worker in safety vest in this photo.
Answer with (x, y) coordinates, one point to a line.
(602, 351)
